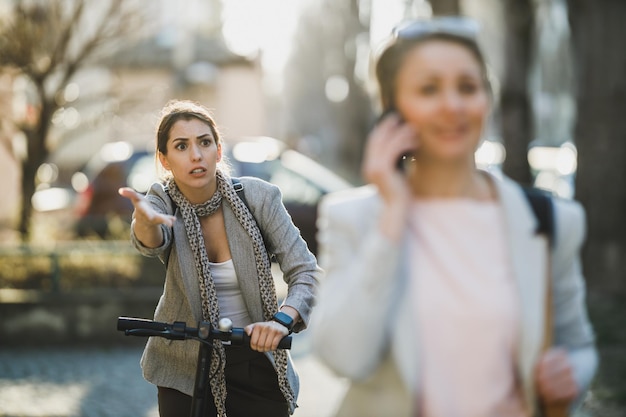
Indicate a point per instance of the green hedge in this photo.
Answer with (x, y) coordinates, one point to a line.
(77, 265)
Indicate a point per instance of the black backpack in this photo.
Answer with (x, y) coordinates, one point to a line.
(541, 204)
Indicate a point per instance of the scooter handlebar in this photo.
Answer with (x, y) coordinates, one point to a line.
(179, 331)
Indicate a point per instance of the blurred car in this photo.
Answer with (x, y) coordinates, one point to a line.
(103, 212)
(52, 193)
(301, 180)
(100, 209)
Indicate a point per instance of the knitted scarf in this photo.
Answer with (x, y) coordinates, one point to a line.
(210, 308)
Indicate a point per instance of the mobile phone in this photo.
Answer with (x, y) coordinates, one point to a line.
(403, 159)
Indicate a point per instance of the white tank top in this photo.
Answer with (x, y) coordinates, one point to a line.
(229, 295)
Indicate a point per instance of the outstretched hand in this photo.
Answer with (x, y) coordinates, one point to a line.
(145, 215)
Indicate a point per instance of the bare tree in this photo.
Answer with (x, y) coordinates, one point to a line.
(47, 42)
(445, 7)
(321, 65)
(598, 32)
(515, 103)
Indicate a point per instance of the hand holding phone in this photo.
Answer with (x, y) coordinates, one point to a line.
(390, 144)
(383, 162)
(406, 156)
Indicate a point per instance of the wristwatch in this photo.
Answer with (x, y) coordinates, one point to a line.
(284, 319)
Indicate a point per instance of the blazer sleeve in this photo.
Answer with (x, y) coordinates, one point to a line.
(282, 238)
(353, 321)
(161, 202)
(572, 328)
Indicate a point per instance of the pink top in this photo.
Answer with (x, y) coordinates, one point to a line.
(467, 310)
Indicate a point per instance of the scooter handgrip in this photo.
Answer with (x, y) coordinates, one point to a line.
(285, 342)
(131, 323)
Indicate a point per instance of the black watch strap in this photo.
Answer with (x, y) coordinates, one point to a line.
(284, 319)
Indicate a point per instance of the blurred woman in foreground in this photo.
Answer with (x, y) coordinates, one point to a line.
(436, 282)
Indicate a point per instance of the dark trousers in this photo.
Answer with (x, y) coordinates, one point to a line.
(251, 384)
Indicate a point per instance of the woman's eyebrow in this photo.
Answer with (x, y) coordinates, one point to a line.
(202, 136)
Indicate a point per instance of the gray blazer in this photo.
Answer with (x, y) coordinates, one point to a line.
(362, 325)
(173, 363)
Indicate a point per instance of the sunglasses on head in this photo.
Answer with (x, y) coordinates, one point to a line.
(463, 27)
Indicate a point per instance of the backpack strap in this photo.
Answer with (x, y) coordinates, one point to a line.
(541, 203)
(238, 186)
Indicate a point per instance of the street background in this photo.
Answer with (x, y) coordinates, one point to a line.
(97, 382)
(107, 382)
(81, 85)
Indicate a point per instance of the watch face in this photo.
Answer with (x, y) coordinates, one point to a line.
(284, 319)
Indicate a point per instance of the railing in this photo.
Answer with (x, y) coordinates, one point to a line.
(73, 263)
(86, 264)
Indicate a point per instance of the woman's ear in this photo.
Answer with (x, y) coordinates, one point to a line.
(163, 161)
(219, 152)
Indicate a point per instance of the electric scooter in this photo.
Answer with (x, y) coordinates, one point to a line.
(205, 334)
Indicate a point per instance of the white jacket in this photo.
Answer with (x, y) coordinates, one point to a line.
(362, 327)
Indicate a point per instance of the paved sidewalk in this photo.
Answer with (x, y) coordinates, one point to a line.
(93, 382)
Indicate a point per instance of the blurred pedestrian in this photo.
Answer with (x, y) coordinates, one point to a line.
(215, 248)
(433, 303)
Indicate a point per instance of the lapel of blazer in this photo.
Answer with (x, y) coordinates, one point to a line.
(405, 345)
(529, 263)
(187, 266)
(181, 253)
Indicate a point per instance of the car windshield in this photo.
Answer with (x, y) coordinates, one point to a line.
(294, 187)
